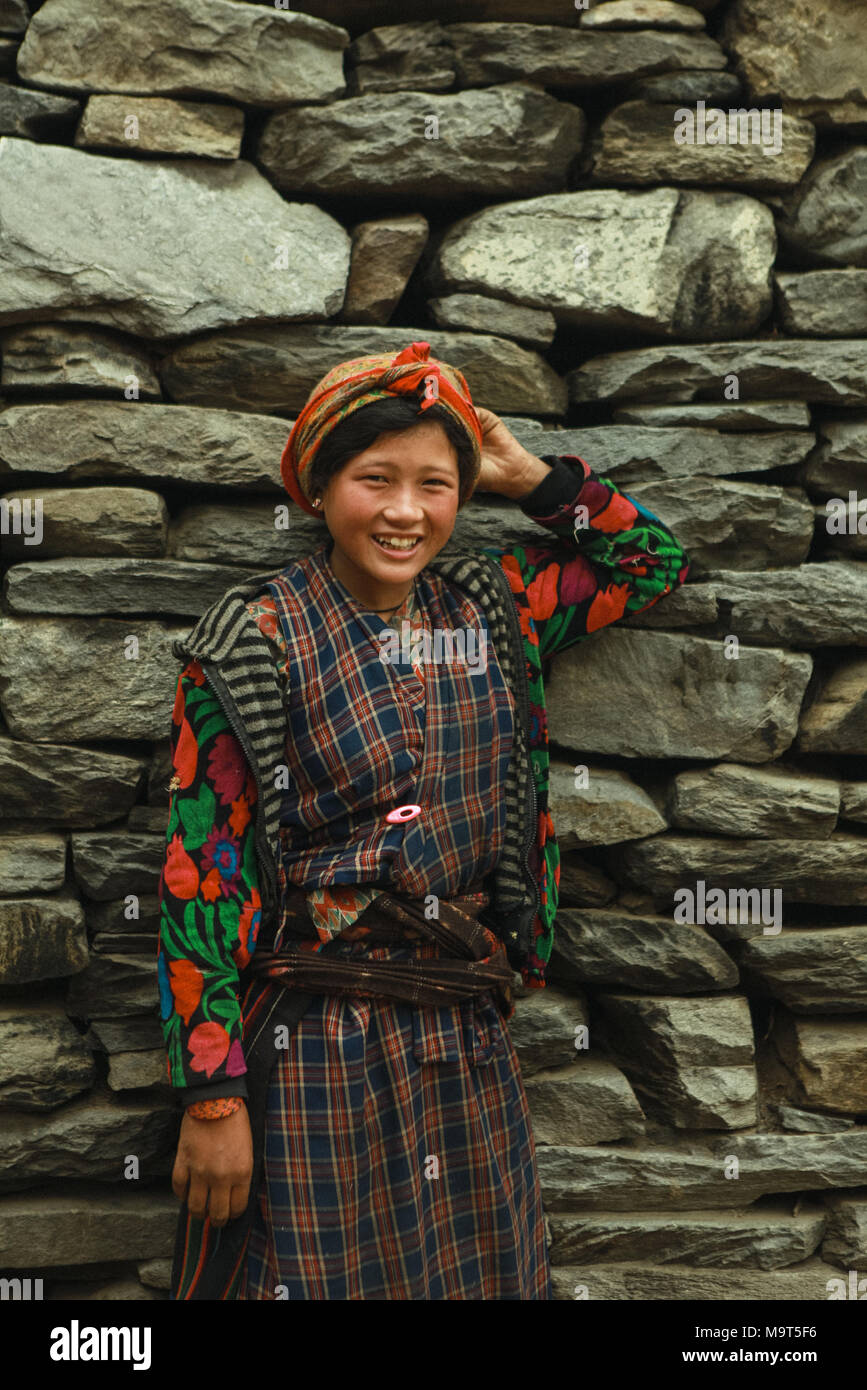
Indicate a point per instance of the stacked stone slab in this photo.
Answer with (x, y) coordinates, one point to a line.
(190, 236)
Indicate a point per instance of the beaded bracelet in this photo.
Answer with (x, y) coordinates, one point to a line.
(215, 1109)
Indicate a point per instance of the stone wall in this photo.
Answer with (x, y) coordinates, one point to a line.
(192, 230)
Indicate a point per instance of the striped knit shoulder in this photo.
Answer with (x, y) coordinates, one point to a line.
(229, 643)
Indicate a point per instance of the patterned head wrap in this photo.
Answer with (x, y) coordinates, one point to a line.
(350, 385)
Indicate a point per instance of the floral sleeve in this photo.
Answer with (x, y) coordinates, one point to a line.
(610, 556)
(210, 906)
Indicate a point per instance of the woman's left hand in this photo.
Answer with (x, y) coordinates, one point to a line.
(507, 467)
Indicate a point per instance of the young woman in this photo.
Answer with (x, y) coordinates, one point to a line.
(360, 855)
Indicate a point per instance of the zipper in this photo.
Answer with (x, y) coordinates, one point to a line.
(263, 849)
(524, 697)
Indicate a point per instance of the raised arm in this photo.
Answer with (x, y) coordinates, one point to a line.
(608, 555)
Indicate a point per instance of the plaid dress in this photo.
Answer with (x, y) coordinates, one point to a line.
(399, 1156)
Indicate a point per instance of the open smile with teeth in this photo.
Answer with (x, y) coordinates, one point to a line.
(401, 543)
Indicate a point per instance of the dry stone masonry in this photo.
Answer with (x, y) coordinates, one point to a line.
(639, 227)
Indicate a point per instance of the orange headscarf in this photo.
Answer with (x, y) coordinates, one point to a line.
(351, 385)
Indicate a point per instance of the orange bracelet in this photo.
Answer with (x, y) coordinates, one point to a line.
(215, 1109)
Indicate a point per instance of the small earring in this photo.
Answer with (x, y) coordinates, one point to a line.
(317, 501)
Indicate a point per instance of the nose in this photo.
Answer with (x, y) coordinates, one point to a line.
(403, 507)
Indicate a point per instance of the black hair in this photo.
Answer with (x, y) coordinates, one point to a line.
(391, 415)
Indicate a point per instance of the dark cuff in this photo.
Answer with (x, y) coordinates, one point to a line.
(235, 1086)
(558, 489)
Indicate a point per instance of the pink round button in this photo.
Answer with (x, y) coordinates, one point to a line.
(403, 813)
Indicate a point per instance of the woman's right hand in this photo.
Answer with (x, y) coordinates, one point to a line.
(214, 1166)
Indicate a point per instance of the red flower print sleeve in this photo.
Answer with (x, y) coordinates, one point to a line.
(610, 556)
(209, 897)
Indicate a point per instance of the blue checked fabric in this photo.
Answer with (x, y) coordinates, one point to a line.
(364, 737)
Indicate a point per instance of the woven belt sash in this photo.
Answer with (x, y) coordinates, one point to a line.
(477, 961)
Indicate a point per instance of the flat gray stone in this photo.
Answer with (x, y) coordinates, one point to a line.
(822, 303)
(31, 862)
(259, 56)
(641, 14)
(686, 87)
(114, 987)
(800, 1121)
(811, 1281)
(51, 356)
(125, 1035)
(74, 786)
(681, 1179)
(853, 801)
(583, 884)
(94, 681)
(735, 417)
(55, 264)
(769, 803)
(690, 1061)
(812, 972)
(669, 261)
(676, 696)
(385, 252)
(87, 521)
(108, 864)
(44, 1061)
(610, 808)
(147, 819)
(90, 586)
(843, 540)
(643, 453)
(156, 1274)
(481, 314)
(689, 606)
(824, 221)
(577, 60)
(14, 16)
(832, 871)
(819, 605)
(637, 143)
(36, 115)
(838, 464)
(820, 71)
(416, 57)
(769, 1238)
(836, 721)
(269, 369)
(49, 1228)
(827, 1060)
(41, 939)
(730, 526)
(543, 1027)
(243, 534)
(845, 1241)
(616, 947)
(125, 943)
(833, 373)
(133, 1071)
(161, 126)
(590, 1102)
(151, 443)
(424, 145)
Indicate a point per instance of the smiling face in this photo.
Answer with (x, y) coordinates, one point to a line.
(404, 488)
